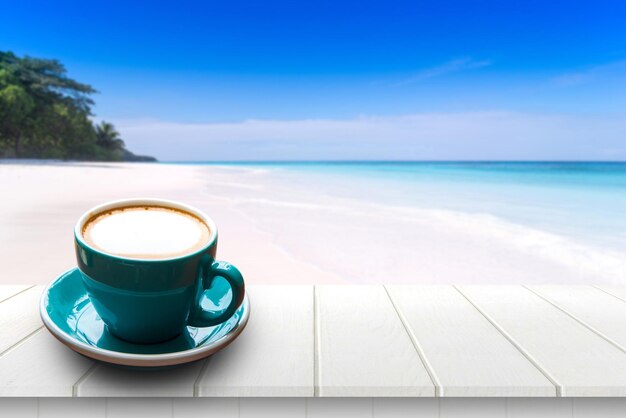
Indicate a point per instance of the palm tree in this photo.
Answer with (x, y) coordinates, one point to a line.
(108, 138)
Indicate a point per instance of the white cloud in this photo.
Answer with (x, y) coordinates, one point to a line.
(454, 66)
(616, 68)
(428, 136)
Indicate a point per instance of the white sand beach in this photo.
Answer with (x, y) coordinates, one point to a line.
(279, 229)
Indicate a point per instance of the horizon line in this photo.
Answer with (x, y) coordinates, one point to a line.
(383, 161)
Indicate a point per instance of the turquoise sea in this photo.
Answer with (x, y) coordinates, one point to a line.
(585, 201)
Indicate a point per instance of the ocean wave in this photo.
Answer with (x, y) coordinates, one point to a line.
(596, 261)
(606, 264)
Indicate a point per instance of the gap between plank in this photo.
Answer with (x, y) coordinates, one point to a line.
(529, 357)
(20, 342)
(18, 293)
(607, 292)
(88, 373)
(196, 388)
(316, 346)
(418, 348)
(580, 321)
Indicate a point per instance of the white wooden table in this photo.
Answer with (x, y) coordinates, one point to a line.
(433, 348)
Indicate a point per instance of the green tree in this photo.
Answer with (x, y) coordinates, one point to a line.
(108, 137)
(46, 114)
(31, 89)
(16, 105)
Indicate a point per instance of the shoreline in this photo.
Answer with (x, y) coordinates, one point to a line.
(43, 201)
(277, 228)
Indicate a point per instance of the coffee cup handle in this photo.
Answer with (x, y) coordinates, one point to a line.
(205, 318)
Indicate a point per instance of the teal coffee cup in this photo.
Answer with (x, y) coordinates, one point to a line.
(149, 296)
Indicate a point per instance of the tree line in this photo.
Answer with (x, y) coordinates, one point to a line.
(46, 114)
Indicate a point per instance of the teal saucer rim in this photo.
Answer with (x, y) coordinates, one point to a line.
(137, 360)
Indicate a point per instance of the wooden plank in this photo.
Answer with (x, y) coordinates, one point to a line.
(108, 381)
(19, 317)
(583, 363)
(18, 407)
(274, 354)
(339, 407)
(363, 348)
(205, 408)
(41, 366)
(315, 407)
(406, 407)
(473, 408)
(598, 310)
(617, 291)
(6, 291)
(468, 355)
(539, 407)
(139, 408)
(272, 408)
(71, 408)
(600, 408)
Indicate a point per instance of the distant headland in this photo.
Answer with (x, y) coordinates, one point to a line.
(44, 114)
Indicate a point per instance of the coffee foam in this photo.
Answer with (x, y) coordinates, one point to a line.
(146, 232)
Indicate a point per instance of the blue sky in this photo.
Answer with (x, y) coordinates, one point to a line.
(201, 80)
